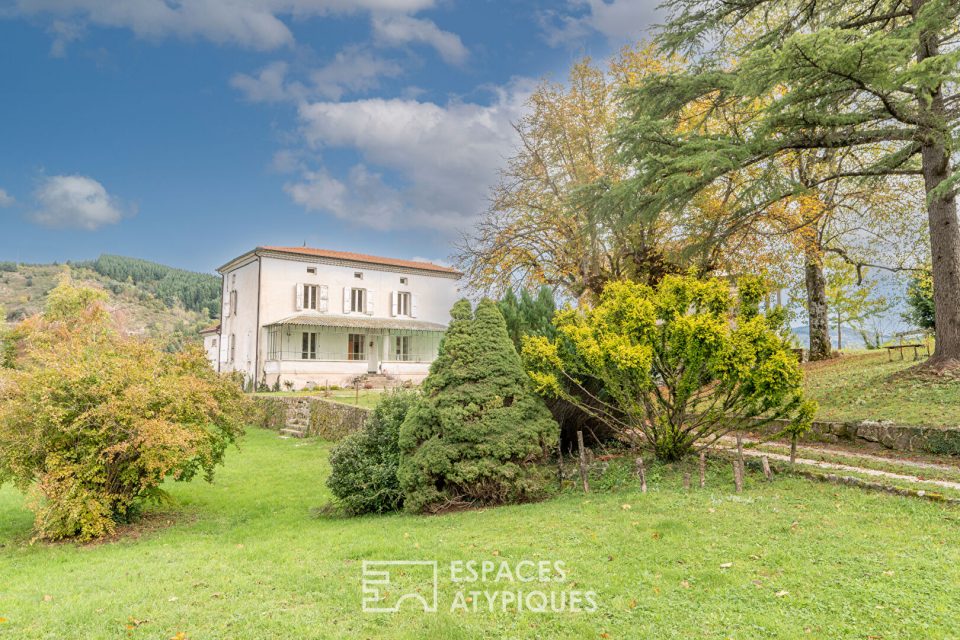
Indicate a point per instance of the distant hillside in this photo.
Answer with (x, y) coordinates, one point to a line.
(148, 298)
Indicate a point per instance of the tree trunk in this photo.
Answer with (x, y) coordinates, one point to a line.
(839, 332)
(818, 320)
(941, 212)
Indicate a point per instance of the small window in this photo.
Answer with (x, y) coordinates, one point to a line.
(403, 281)
(402, 348)
(355, 346)
(233, 302)
(233, 347)
(358, 300)
(358, 275)
(312, 270)
(309, 346)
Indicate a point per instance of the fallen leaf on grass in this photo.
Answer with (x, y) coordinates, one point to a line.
(633, 604)
(625, 507)
(656, 535)
(726, 565)
(781, 594)
(888, 573)
(684, 584)
(48, 598)
(2, 620)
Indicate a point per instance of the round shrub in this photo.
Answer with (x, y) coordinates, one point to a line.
(364, 464)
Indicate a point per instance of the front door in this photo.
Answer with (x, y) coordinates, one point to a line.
(373, 354)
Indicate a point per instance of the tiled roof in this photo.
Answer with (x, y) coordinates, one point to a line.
(358, 322)
(211, 329)
(361, 257)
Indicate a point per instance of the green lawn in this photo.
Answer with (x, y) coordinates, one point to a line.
(245, 558)
(859, 387)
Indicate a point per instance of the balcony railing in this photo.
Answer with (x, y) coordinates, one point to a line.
(342, 356)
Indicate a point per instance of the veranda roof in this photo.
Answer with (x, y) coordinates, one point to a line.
(358, 322)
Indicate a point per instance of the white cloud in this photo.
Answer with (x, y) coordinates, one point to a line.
(6, 199)
(400, 29)
(77, 202)
(352, 70)
(269, 84)
(618, 20)
(255, 24)
(442, 160)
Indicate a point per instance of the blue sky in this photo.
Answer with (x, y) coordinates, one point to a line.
(189, 131)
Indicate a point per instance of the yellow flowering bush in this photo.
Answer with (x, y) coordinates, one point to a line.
(677, 365)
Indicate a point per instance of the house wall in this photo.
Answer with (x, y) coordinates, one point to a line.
(435, 294)
(240, 322)
(211, 346)
(274, 281)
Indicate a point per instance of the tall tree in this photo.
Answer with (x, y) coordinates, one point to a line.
(878, 78)
(544, 225)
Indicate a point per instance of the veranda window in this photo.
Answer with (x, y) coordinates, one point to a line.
(309, 346)
(402, 348)
(355, 346)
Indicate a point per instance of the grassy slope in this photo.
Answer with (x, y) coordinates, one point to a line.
(246, 560)
(858, 387)
(24, 291)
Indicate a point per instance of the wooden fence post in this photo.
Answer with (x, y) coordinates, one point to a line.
(643, 475)
(560, 465)
(738, 476)
(583, 463)
(766, 467)
(703, 469)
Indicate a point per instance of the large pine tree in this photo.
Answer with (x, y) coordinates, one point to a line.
(876, 79)
(479, 434)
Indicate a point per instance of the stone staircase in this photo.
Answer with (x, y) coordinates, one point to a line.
(378, 381)
(298, 419)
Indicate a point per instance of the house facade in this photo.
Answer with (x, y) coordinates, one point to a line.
(316, 317)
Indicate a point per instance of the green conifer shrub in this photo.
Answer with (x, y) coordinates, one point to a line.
(479, 434)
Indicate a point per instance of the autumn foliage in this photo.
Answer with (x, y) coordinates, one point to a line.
(92, 421)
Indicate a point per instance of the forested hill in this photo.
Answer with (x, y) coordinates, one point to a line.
(194, 291)
(170, 304)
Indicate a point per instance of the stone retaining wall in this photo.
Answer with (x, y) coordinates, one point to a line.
(935, 440)
(310, 415)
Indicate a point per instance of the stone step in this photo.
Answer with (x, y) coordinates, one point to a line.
(292, 433)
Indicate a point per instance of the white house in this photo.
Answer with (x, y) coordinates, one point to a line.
(211, 343)
(313, 316)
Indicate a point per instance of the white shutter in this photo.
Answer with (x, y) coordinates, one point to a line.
(413, 305)
(226, 306)
(346, 300)
(393, 303)
(299, 297)
(323, 305)
(371, 295)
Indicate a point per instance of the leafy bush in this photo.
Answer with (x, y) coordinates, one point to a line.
(478, 433)
(920, 301)
(680, 364)
(364, 465)
(92, 422)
